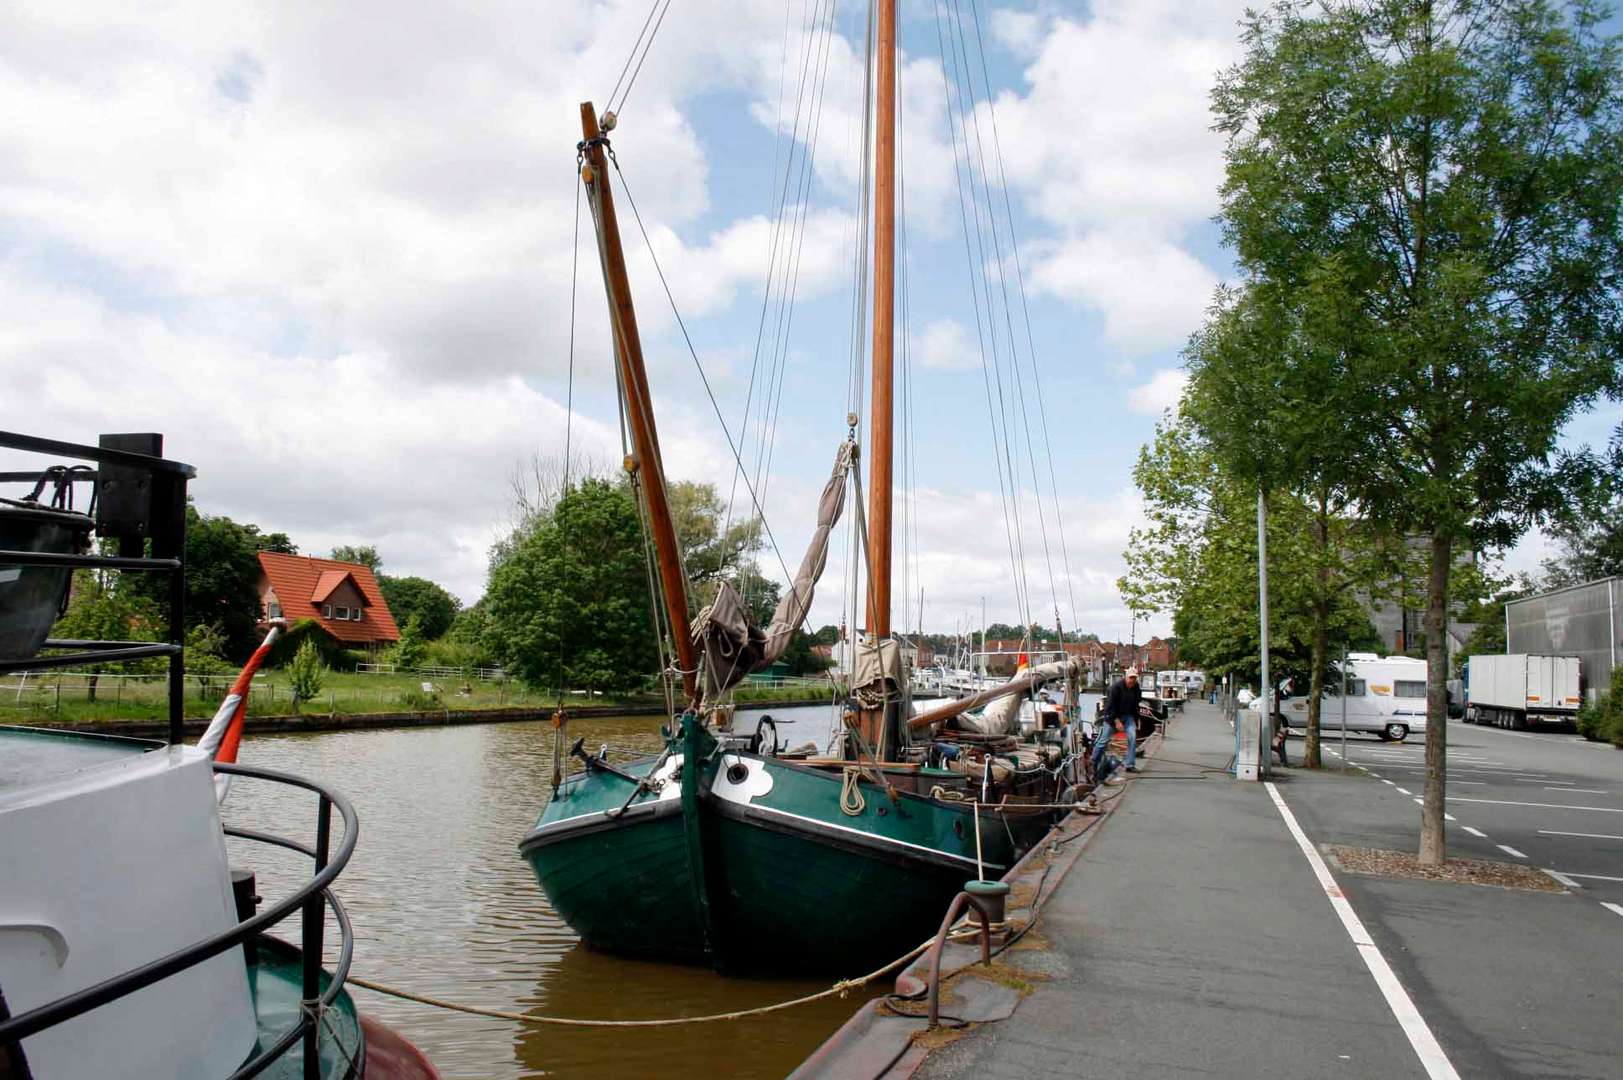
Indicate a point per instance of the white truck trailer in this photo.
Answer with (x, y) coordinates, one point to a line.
(1522, 690)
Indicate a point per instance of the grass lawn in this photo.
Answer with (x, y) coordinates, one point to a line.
(71, 697)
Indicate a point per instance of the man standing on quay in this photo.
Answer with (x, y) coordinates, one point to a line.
(1121, 706)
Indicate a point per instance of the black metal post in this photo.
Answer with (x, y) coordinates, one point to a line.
(314, 923)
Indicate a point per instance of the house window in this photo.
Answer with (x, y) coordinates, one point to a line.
(1410, 688)
(343, 613)
(273, 610)
(355, 614)
(326, 611)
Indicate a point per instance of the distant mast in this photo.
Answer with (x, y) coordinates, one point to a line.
(883, 410)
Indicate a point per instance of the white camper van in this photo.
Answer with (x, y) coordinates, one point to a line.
(1386, 695)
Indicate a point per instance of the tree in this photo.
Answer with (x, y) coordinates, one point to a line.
(828, 634)
(103, 606)
(1442, 176)
(567, 603)
(1587, 547)
(307, 673)
(366, 555)
(222, 579)
(414, 597)
(409, 650)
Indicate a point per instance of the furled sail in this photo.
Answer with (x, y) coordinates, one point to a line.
(730, 646)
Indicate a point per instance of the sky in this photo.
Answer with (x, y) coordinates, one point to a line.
(328, 251)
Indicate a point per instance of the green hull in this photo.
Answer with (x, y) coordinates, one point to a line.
(755, 866)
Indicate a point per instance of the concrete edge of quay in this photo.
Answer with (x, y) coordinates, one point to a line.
(879, 1042)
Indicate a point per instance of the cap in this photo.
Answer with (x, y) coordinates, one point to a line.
(1133, 671)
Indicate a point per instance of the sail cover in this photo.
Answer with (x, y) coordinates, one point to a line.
(731, 647)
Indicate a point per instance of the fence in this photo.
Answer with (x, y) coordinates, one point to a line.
(489, 674)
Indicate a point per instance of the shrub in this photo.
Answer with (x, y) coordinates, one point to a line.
(1592, 720)
(418, 701)
(307, 673)
(293, 639)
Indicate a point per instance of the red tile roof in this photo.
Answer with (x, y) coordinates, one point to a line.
(326, 583)
(299, 580)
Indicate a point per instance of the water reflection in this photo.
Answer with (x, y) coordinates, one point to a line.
(442, 904)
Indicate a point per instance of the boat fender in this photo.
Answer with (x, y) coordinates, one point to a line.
(947, 751)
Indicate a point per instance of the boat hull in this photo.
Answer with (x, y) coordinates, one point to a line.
(761, 869)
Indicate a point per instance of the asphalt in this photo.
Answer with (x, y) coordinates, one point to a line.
(1191, 938)
(1513, 983)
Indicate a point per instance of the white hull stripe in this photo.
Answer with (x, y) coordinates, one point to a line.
(1425, 1044)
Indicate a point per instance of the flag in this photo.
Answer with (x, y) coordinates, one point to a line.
(224, 732)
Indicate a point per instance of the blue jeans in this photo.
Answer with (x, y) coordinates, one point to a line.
(1101, 741)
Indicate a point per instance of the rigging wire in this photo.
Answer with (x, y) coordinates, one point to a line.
(1016, 378)
(646, 49)
(698, 365)
(965, 199)
(574, 281)
(1025, 309)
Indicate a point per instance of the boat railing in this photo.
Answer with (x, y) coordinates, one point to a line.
(311, 900)
(139, 504)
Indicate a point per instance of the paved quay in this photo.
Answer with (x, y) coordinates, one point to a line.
(1193, 939)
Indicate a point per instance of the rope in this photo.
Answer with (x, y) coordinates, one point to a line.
(852, 803)
(839, 989)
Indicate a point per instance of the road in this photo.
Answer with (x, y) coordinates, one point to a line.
(1545, 799)
(1514, 983)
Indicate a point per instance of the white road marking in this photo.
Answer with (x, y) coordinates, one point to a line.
(1425, 1044)
(1581, 790)
(1562, 878)
(1386, 781)
(1475, 832)
(1508, 850)
(1449, 817)
(1547, 805)
(1406, 791)
(1551, 781)
(1615, 909)
(1594, 877)
(1419, 801)
(1590, 835)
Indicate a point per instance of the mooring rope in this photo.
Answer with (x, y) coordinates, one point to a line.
(839, 989)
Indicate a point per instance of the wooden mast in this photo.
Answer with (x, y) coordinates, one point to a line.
(639, 406)
(871, 723)
(882, 412)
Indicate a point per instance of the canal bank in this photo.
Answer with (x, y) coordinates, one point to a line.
(445, 717)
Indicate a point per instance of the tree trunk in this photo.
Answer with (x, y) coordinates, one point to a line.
(1315, 699)
(1433, 846)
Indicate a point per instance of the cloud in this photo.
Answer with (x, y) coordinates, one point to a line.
(945, 344)
(1152, 292)
(1120, 160)
(1162, 392)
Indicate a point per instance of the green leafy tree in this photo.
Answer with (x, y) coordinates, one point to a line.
(365, 554)
(410, 649)
(431, 605)
(568, 594)
(222, 578)
(1588, 547)
(828, 634)
(1442, 177)
(307, 673)
(106, 607)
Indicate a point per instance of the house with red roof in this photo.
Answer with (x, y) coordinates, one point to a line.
(343, 597)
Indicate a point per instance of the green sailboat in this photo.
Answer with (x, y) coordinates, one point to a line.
(717, 852)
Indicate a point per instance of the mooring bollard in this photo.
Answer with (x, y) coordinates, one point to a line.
(988, 898)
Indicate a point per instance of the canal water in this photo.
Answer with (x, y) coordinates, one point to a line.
(442, 905)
